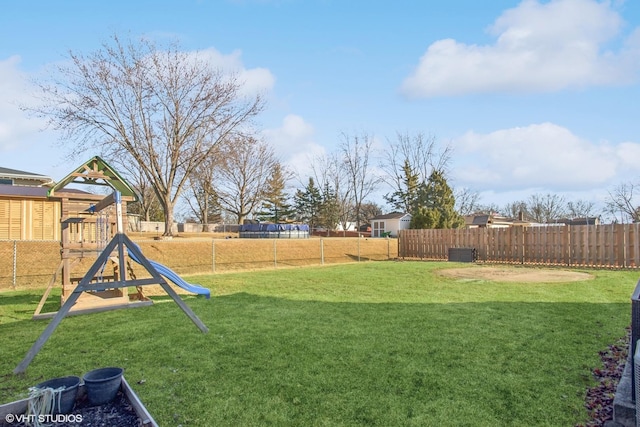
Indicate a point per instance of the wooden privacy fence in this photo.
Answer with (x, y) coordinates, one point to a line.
(611, 245)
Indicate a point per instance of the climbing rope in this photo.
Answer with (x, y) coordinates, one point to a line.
(42, 401)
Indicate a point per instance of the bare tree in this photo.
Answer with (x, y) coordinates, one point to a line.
(246, 165)
(370, 210)
(580, 208)
(517, 208)
(200, 195)
(467, 201)
(546, 208)
(408, 162)
(164, 108)
(622, 202)
(356, 156)
(332, 180)
(147, 206)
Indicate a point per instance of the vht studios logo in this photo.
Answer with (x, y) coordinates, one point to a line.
(43, 419)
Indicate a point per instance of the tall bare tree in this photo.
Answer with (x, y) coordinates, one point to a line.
(165, 108)
(147, 206)
(200, 194)
(622, 202)
(356, 154)
(332, 180)
(546, 208)
(246, 165)
(517, 208)
(580, 208)
(408, 162)
(467, 201)
(370, 210)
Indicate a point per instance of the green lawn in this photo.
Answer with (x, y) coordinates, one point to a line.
(377, 343)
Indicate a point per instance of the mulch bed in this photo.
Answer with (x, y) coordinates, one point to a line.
(117, 413)
(599, 399)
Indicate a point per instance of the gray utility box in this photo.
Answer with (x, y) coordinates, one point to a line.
(463, 254)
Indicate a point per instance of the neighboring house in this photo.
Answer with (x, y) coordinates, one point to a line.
(21, 178)
(499, 221)
(592, 220)
(351, 226)
(25, 211)
(389, 224)
(493, 221)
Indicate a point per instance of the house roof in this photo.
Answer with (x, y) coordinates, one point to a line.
(580, 221)
(480, 220)
(394, 215)
(18, 174)
(33, 192)
(23, 190)
(485, 220)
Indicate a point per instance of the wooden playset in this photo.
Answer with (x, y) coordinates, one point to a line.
(82, 230)
(88, 222)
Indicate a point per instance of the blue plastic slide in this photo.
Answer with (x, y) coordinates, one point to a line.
(173, 276)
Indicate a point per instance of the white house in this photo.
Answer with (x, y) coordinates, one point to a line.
(389, 224)
(351, 226)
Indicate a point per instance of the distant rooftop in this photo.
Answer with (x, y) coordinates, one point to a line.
(393, 215)
(17, 177)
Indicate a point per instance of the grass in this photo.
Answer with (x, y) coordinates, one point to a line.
(378, 343)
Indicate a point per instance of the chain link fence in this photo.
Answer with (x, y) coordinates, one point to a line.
(32, 264)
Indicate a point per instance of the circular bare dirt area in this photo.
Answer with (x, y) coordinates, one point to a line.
(515, 274)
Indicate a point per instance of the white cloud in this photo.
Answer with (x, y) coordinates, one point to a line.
(539, 47)
(253, 80)
(541, 156)
(294, 143)
(17, 130)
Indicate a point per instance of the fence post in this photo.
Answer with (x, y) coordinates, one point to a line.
(521, 244)
(213, 255)
(321, 251)
(625, 264)
(358, 249)
(388, 248)
(15, 263)
(275, 254)
(568, 243)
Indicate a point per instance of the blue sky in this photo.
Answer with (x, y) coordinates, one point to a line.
(533, 96)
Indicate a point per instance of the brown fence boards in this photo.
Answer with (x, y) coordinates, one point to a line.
(608, 246)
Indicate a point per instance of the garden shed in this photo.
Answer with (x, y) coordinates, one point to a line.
(389, 224)
(26, 213)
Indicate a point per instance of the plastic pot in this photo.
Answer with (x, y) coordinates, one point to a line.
(68, 395)
(102, 385)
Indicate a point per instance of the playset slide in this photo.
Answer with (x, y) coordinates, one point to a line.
(173, 276)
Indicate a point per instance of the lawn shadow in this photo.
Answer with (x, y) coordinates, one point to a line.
(347, 363)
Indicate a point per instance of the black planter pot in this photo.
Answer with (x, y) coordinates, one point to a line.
(67, 398)
(102, 385)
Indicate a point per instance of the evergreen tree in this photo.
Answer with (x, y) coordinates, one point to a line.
(435, 205)
(404, 199)
(307, 203)
(276, 207)
(329, 209)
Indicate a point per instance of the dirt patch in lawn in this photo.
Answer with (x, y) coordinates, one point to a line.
(515, 274)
